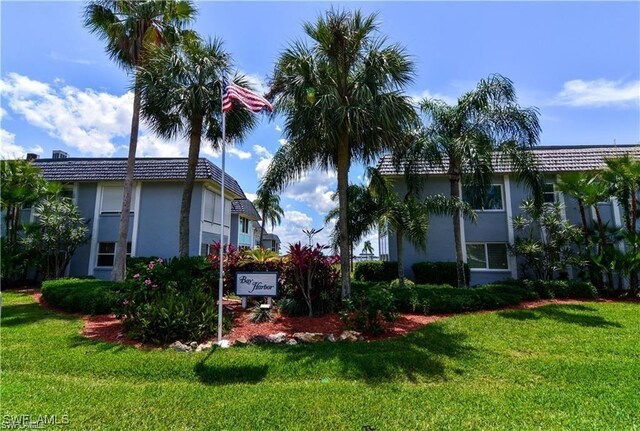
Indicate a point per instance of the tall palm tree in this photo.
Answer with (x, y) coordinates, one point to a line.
(485, 124)
(340, 96)
(623, 177)
(181, 97)
(130, 28)
(269, 206)
(408, 215)
(367, 248)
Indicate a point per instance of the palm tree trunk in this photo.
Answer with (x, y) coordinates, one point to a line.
(120, 259)
(633, 277)
(400, 250)
(603, 244)
(187, 192)
(457, 232)
(264, 212)
(343, 183)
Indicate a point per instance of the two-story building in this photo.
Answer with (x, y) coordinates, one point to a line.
(485, 242)
(96, 186)
(243, 215)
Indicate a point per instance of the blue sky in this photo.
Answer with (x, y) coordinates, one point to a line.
(579, 63)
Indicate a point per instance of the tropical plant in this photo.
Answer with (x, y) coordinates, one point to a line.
(129, 29)
(367, 248)
(623, 178)
(545, 243)
(55, 236)
(259, 256)
(268, 204)
(181, 91)
(485, 126)
(330, 93)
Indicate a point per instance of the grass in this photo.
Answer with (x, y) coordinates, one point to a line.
(557, 367)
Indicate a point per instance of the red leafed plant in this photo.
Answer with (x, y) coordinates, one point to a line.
(232, 257)
(311, 271)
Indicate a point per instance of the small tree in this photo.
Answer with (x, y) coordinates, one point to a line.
(306, 263)
(56, 235)
(546, 244)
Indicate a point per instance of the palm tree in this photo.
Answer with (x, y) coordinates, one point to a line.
(485, 124)
(269, 206)
(408, 215)
(623, 177)
(129, 28)
(181, 97)
(341, 100)
(367, 248)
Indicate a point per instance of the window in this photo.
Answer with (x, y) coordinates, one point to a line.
(107, 252)
(112, 199)
(492, 200)
(205, 249)
(487, 256)
(244, 225)
(209, 205)
(549, 193)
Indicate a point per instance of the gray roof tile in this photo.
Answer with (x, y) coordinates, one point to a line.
(114, 169)
(549, 158)
(245, 207)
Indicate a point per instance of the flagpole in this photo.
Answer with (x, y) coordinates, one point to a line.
(220, 281)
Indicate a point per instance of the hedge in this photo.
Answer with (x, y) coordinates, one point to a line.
(438, 273)
(375, 271)
(550, 289)
(81, 295)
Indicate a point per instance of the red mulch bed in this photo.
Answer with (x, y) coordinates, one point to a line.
(107, 328)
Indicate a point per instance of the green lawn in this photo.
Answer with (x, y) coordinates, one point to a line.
(557, 367)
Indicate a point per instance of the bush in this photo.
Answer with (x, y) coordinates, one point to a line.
(407, 283)
(165, 301)
(171, 315)
(375, 271)
(550, 289)
(87, 296)
(438, 273)
(370, 308)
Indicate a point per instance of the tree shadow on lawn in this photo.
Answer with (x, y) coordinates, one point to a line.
(25, 314)
(417, 357)
(584, 315)
(216, 374)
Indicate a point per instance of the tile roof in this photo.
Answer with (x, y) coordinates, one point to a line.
(114, 169)
(550, 159)
(245, 207)
(271, 236)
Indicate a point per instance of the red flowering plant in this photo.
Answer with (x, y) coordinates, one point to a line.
(231, 260)
(310, 277)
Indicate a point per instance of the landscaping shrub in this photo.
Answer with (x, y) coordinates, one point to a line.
(369, 308)
(165, 301)
(76, 295)
(438, 273)
(375, 271)
(550, 289)
(407, 283)
(309, 281)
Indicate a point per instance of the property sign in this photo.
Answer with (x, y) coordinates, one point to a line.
(257, 283)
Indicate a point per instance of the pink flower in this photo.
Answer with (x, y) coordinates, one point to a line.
(147, 282)
(160, 260)
(151, 265)
(136, 275)
(125, 302)
(154, 285)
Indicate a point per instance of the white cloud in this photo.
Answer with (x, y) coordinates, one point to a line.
(10, 150)
(282, 141)
(315, 188)
(599, 92)
(278, 128)
(251, 196)
(58, 57)
(89, 121)
(426, 94)
(290, 231)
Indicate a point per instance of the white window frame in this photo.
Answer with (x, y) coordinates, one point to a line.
(115, 246)
(486, 255)
(502, 197)
(555, 192)
(243, 222)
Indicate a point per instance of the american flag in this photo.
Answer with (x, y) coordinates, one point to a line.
(251, 100)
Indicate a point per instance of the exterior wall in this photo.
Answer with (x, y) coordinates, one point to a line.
(86, 200)
(235, 229)
(492, 226)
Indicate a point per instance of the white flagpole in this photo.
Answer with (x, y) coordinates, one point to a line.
(220, 282)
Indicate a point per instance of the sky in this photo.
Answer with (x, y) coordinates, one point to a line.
(578, 63)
